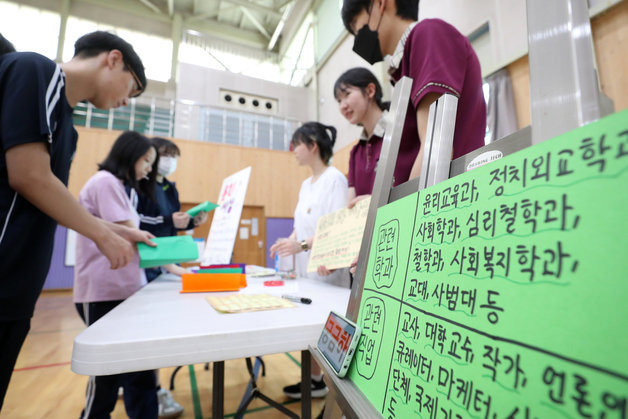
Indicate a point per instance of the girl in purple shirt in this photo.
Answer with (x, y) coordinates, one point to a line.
(359, 97)
(132, 162)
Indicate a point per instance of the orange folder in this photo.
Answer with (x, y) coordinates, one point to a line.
(208, 282)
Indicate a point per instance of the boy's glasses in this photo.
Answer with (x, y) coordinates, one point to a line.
(140, 88)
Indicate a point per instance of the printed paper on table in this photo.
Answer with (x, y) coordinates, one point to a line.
(238, 303)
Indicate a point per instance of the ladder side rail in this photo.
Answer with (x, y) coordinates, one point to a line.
(381, 186)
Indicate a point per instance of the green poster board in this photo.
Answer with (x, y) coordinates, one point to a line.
(503, 292)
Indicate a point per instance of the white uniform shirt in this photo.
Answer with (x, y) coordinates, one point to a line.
(327, 194)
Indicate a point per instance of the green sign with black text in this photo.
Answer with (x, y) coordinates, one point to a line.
(503, 292)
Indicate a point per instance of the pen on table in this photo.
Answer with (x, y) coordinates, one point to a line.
(296, 299)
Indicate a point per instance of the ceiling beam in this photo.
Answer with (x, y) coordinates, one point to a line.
(279, 27)
(284, 4)
(170, 7)
(257, 7)
(151, 6)
(211, 27)
(203, 16)
(227, 32)
(299, 12)
(255, 22)
(127, 7)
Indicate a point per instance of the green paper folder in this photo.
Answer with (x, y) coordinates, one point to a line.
(220, 271)
(205, 206)
(172, 249)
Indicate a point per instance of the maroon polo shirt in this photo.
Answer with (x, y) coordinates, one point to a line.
(439, 59)
(363, 163)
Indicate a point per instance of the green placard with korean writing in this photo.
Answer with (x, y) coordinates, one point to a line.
(503, 292)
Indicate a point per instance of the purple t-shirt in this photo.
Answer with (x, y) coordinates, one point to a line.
(439, 59)
(104, 197)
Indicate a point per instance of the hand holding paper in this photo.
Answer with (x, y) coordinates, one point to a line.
(285, 247)
(205, 206)
(173, 249)
(338, 237)
(200, 218)
(180, 219)
(133, 235)
(357, 199)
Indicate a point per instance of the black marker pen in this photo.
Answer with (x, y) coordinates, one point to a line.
(296, 299)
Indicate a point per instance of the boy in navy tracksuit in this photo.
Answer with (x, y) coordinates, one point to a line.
(37, 143)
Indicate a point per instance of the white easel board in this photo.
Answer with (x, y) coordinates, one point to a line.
(224, 228)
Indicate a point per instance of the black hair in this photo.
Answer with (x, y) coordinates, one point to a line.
(314, 132)
(5, 46)
(407, 9)
(360, 77)
(124, 154)
(166, 146)
(94, 43)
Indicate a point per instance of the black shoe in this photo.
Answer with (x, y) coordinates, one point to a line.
(319, 389)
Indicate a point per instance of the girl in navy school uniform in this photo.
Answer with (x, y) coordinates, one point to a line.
(162, 216)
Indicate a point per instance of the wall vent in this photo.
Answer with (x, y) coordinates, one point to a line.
(248, 102)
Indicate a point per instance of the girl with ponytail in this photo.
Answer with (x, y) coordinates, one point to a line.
(323, 192)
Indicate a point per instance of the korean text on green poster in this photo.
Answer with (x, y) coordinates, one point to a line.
(502, 292)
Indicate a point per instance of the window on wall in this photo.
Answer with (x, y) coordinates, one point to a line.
(41, 35)
(219, 59)
(155, 51)
(486, 89)
(245, 129)
(299, 57)
(329, 26)
(482, 44)
(205, 51)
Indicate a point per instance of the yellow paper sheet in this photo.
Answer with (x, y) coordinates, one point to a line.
(338, 237)
(239, 303)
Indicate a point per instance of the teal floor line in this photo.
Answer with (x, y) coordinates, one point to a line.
(196, 400)
(293, 359)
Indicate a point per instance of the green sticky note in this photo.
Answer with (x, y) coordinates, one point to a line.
(502, 292)
(221, 271)
(172, 249)
(205, 206)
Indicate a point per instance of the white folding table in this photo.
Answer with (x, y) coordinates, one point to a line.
(159, 327)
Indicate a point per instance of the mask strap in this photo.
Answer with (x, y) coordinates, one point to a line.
(370, 10)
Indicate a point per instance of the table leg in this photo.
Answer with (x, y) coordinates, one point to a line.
(218, 390)
(306, 385)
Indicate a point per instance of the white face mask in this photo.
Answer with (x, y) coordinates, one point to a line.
(167, 165)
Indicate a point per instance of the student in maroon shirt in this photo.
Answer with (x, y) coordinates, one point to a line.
(359, 97)
(437, 57)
